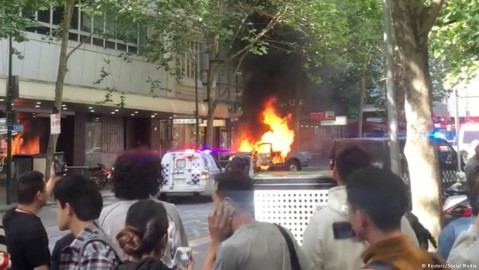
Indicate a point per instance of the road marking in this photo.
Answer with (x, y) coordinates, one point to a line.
(199, 241)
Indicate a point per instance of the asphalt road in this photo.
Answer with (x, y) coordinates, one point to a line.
(193, 213)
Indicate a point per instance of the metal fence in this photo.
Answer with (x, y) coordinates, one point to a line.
(291, 202)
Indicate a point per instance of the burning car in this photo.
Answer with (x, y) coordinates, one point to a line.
(271, 150)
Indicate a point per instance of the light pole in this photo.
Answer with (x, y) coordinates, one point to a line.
(9, 116)
(391, 97)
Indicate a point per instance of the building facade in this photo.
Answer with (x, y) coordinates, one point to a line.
(113, 98)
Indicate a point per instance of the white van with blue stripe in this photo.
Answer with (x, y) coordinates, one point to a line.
(188, 172)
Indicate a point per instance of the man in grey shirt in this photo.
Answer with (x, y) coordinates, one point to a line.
(251, 245)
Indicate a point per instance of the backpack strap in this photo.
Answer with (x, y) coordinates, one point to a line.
(99, 236)
(379, 266)
(292, 251)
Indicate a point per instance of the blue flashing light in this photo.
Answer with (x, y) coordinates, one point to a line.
(439, 135)
(207, 151)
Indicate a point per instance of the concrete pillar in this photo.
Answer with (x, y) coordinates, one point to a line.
(79, 140)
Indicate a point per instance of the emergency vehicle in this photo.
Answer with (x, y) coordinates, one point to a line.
(188, 172)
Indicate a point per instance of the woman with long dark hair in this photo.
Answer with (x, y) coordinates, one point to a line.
(145, 236)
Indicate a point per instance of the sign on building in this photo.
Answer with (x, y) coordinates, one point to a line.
(186, 121)
(55, 124)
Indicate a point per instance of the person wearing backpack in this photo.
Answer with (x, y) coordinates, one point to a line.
(145, 236)
(79, 204)
(377, 201)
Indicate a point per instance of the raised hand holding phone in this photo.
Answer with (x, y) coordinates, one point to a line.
(219, 222)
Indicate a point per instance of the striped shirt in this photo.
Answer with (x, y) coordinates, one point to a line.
(96, 254)
(5, 262)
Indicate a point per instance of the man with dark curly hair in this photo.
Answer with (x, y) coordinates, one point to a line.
(136, 176)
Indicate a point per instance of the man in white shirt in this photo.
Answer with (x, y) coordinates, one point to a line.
(326, 252)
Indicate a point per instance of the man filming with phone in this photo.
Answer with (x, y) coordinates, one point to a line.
(240, 242)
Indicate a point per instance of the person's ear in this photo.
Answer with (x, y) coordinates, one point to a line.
(69, 210)
(41, 196)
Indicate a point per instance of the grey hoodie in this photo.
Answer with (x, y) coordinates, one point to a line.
(328, 253)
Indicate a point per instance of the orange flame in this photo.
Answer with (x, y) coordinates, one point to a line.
(30, 147)
(280, 135)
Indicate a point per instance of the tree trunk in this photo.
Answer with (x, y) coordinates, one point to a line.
(62, 71)
(213, 74)
(420, 154)
(362, 93)
(362, 100)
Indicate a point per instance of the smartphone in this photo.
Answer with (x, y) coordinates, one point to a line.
(182, 257)
(343, 230)
(59, 163)
(230, 210)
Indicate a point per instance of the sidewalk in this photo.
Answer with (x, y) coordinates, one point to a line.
(4, 207)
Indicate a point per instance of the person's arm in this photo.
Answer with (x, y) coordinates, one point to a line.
(97, 256)
(219, 226)
(313, 246)
(5, 262)
(225, 259)
(407, 230)
(51, 182)
(464, 250)
(183, 239)
(211, 255)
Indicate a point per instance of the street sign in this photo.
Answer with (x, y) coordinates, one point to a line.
(186, 121)
(330, 115)
(18, 128)
(55, 124)
(321, 116)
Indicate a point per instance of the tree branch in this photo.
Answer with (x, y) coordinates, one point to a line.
(429, 16)
(79, 45)
(263, 32)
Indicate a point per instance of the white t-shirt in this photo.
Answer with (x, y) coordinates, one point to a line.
(112, 221)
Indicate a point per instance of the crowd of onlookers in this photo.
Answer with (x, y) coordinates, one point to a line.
(364, 225)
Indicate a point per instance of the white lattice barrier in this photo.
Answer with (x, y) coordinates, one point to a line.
(290, 208)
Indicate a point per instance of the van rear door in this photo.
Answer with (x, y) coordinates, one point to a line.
(182, 164)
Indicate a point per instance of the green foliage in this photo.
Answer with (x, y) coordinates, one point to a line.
(455, 40)
(15, 17)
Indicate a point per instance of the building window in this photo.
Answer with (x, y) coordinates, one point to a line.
(186, 63)
(97, 31)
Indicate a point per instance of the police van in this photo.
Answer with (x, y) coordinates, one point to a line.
(188, 172)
